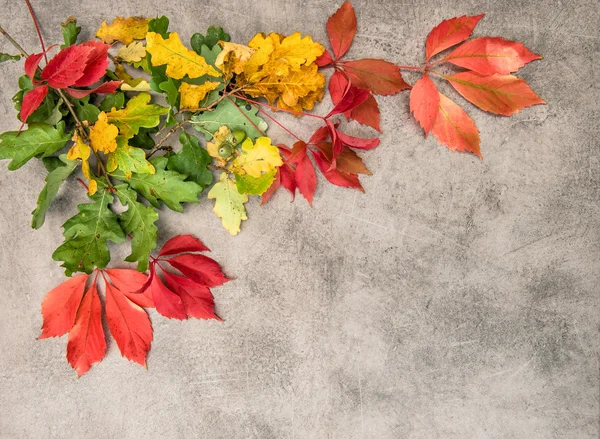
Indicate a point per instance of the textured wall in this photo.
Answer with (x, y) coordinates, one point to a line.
(457, 299)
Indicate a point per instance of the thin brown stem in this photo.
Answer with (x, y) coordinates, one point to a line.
(13, 42)
(159, 144)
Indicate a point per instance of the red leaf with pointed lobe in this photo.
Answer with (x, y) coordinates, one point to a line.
(109, 88)
(131, 283)
(167, 302)
(60, 305)
(284, 176)
(449, 33)
(498, 94)
(86, 344)
(96, 63)
(266, 196)
(320, 135)
(199, 268)
(129, 325)
(425, 102)
(305, 176)
(341, 28)
(32, 100)
(182, 244)
(335, 176)
(454, 128)
(324, 60)
(67, 66)
(357, 142)
(337, 86)
(31, 64)
(367, 113)
(379, 76)
(352, 98)
(489, 55)
(197, 300)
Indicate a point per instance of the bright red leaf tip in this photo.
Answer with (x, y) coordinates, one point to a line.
(335, 176)
(367, 113)
(449, 33)
(197, 300)
(454, 128)
(129, 282)
(183, 244)
(67, 66)
(60, 305)
(425, 102)
(199, 268)
(284, 176)
(341, 28)
(96, 63)
(32, 100)
(167, 302)
(109, 88)
(306, 179)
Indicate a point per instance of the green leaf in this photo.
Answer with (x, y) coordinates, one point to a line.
(51, 163)
(109, 102)
(38, 140)
(228, 114)
(128, 159)
(138, 220)
(86, 111)
(143, 139)
(160, 26)
(192, 161)
(171, 88)
(70, 30)
(54, 179)
(246, 184)
(166, 186)
(137, 114)
(8, 57)
(229, 204)
(86, 235)
(213, 36)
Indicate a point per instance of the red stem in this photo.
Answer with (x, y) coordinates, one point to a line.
(262, 104)
(80, 181)
(419, 69)
(276, 121)
(37, 28)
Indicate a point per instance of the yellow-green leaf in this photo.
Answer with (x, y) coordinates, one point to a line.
(258, 157)
(128, 159)
(229, 204)
(134, 52)
(137, 114)
(191, 95)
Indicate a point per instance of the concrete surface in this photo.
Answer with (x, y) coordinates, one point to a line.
(457, 299)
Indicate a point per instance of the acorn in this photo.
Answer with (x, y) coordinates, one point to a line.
(225, 150)
(238, 136)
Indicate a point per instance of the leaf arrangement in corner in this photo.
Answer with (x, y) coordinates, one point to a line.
(94, 109)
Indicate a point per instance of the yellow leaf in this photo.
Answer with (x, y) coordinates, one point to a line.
(103, 135)
(258, 157)
(124, 30)
(81, 150)
(129, 82)
(132, 53)
(233, 57)
(128, 159)
(191, 95)
(229, 204)
(138, 113)
(179, 59)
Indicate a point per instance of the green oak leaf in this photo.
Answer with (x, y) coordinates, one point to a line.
(86, 111)
(38, 140)
(57, 174)
(246, 184)
(229, 204)
(213, 36)
(116, 101)
(166, 186)
(143, 139)
(137, 113)
(87, 235)
(160, 25)
(138, 221)
(228, 114)
(70, 30)
(171, 89)
(128, 159)
(8, 57)
(192, 161)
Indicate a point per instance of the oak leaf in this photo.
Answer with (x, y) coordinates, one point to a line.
(257, 157)
(192, 95)
(229, 204)
(132, 53)
(137, 114)
(124, 30)
(103, 135)
(81, 150)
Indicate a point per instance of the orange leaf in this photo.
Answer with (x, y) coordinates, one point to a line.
(425, 102)
(454, 128)
(341, 28)
(499, 94)
(130, 282)
(449, 33)
(491, 55)
(381, 77)
(86, 344)
(367, 113)
(59, 307)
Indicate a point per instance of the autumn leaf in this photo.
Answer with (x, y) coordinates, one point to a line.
(379, 76)
(229, 204)
(132, 53)
(335, 176)
(228, 114)
(425, 102)
(180, 60)
(124, 30)
(192, 95)
(60, 305)
(137, 114)
(258, 157)
(449, 33)
(454, 128)
(341, 28)
(233, 57)
(81, 150)
(129, 160)
(305, 176)
(129, 82)
(103, 135)
(246, 184)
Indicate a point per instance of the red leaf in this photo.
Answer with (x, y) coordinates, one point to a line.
(199, 268)
(60, 305)
(129, 325)
(32, 100)
(67, 66)
(367, 113)
(337, 86)
(109, 87)
(131, 283)
(167, 302)
(347, 161)
(449, 33)
(491, 55)
(305, 176)
(381, 77)
(96, 63)
(31, 64)
(266, 196)
(335, 176)
(197, 300)
(341, 28)
(357, 142)
(324, 60)
(425, 102)
(353, 97)
(182, 244)
(288, 178)
(86, 344)
(499, 94)
(320, 135)
(455, 129)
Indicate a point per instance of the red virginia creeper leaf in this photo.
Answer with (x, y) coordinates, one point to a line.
(60, 305)
(449, 33)
(96, 63)
(167, 302)
(334, 176)
(357, 142)
(425, 102)
(86, 344)
(266, 196)
(199, 268)
(341, 28)
(131, 283)
(337, 86)
(182, 244)
(454, 128)
(379, 76)
(489, 55)
(32, 100)
(367, 113)
(109, 87)
(129, 325)
(325, 59)
(197, 300)
(499, 94)
(352, 98)
(347, 161)
(319, 136)
(67, 66)
(306, 179)
(31, 64)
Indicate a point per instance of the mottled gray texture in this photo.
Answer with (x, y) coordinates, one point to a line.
(457, 299)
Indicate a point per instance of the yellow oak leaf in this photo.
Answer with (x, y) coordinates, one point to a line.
(124, 30)
(129, 82)
(233, 57)
(257, 158)
(80, 150)
(132, 53)
(179, 59)
(229, 204)
(191, 95)
(103, 135)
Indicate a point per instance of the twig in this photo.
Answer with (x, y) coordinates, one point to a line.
(158, 145)
(13, 42)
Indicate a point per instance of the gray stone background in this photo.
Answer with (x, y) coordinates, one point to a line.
(457, 298)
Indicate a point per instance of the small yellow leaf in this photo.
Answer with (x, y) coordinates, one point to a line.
(258, 157)
(129, 82)
(132, 53)
(179, 59)
(124, 30)
(191, 95)
(229, 204)
(103, 135)
(80, 150)
(233, 57)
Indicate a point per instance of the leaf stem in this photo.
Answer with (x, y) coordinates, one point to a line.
(419, 69)
(13, 42)
(246, 116)
(158, 145)
(37, 28)
(276, 121)
(262, 104)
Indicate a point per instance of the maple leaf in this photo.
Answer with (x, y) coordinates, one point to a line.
(192, 161)
(229, 204)
(425, 102)
(124, 30)
(454, 128)
(137, 114)
(257, 158)
(180, 60)
(103, 135)
(192, 95)
(132, 53)
(449, 33)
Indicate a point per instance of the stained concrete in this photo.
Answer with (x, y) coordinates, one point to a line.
(456, 299)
